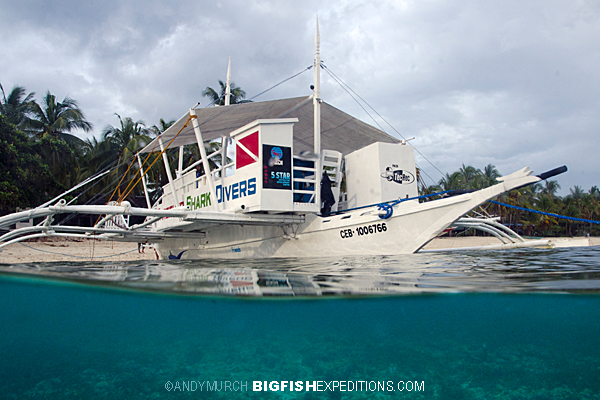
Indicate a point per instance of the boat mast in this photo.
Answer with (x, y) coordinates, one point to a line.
(224, 139)
(317, 112)
(228, 87)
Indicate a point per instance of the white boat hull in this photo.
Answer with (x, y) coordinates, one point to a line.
(358, 232)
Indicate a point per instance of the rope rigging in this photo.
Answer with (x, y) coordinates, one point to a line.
(348, 89)
(283, 81)
(588, 221)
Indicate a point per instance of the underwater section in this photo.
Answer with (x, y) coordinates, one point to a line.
(64, 341)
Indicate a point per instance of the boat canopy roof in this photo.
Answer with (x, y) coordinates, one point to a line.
(339, 131)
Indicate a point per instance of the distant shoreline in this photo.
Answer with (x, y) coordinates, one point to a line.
(59, 249)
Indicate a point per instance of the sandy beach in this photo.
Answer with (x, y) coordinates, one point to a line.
(59, 249)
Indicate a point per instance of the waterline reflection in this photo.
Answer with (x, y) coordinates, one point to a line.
(526, 270)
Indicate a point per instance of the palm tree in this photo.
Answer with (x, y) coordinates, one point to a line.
(573, 211)
(529, 222)
(52, 123)
(574, 205)
(452, 182)
(577, 193)
(489, 176)
(218, 98)
(62, 160)
(162, 126)
(550, 188)
(124, 142)
(98, 155)
(17, 106)
(25, 181)
(127, 139)
(543, 197)
(57, 120)
(594, 195)
(470, 176)
(546, 205)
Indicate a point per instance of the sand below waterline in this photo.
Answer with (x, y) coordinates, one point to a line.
(59, 249)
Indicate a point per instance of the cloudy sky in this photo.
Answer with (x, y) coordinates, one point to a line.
(512, 83)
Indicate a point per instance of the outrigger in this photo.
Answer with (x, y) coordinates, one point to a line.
(282, 194)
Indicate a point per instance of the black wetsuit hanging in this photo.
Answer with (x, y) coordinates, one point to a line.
(327, 199)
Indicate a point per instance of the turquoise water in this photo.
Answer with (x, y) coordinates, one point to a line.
(510, 325)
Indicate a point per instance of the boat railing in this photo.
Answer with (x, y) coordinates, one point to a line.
(218, 170)
(306, 180)
(190, 179)
(185, 171)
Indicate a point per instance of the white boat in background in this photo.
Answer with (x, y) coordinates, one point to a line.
(282, 194)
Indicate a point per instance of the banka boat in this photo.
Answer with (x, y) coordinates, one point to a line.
(282, 193)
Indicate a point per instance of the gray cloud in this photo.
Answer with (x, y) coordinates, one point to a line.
(508, 83)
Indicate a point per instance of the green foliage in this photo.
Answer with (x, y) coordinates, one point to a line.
(41, 158)
(540, 196)
(58, 119)
(17, 107)
(61, 159)
(468, 177)
(127, 139)
(218, 98)
(25, 181)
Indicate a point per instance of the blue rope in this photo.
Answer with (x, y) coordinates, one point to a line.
(389, 210)
(589, 221)
(396, 202)
(387, 205)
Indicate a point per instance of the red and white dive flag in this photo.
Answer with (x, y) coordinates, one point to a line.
(246, 150)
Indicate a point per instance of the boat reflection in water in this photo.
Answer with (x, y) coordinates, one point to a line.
(483, 271)
(226, 278)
